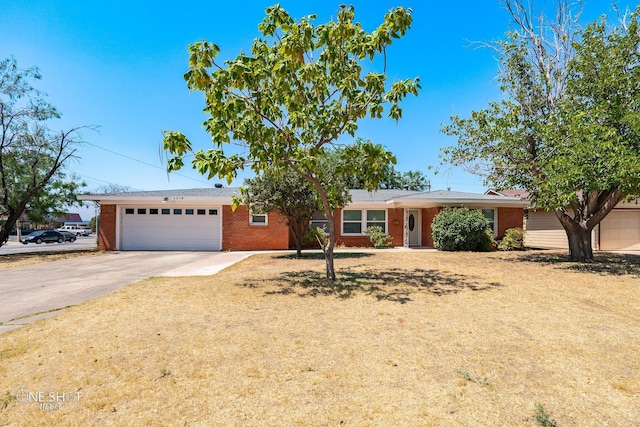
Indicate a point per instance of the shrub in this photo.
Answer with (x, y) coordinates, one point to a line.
(461, 229)
(513, 240)
(378, 237)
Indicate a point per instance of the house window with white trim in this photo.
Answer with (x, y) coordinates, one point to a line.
(356, 221)
(258, 219)
(490, 215)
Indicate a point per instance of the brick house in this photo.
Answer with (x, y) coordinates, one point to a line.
(202, 219)
(618, 231)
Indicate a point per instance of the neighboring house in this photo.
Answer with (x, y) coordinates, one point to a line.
(69, 219)
(202, 219)
(619, 230)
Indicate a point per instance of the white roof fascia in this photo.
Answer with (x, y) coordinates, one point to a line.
(119, 200)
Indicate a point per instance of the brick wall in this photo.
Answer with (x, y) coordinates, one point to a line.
(428, 214)
(395, 224)
(107, 228)
(239, 235)
(509, 218)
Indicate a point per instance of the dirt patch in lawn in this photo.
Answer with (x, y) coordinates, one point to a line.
(402, 338)
(17, 260)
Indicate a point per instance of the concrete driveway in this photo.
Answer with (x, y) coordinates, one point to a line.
(49, 287)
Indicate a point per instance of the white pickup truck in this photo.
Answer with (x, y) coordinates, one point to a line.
(78, 230)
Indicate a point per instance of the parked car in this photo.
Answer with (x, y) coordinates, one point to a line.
(47, 236)
(78, 230)
(68, 236)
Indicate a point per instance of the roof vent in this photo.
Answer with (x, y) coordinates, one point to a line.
(217, 185)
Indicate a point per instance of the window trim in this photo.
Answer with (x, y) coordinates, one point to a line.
(363, 221)
(260, 224)
(495, 219)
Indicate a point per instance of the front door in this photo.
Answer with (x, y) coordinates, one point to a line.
(413, 223)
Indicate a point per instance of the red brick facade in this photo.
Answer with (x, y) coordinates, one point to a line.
(428, 214)
(239, 235)
(509, 218)
(107, 228)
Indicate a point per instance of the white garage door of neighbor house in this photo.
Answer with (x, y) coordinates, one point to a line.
(620, 230)
(543, 230)
(162, 228)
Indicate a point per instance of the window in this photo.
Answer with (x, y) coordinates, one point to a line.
(319, 220)
(177, 211)
(188, 211)
(166, 211)
(129, 211)
(351, 222)
(377, 218)
(153, 211)
(142, 211)
(490, 214)
(213, 211)
(357, 221)
(258, 219)
(202, 211)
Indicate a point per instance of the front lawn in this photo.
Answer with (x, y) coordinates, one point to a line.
(403, 338)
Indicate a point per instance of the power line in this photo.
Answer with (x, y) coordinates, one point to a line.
(145, 163)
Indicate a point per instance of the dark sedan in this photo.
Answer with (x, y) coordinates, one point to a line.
(68, 236)
(47, 236)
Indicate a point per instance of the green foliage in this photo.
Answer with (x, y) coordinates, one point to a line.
(6, 399)
(284, 192)
(513, 240)
(317, 234)
(93, 223)
(32, 157)
(293, 94)
(378, 237)
(468, 377)
(461, 229)
(568, 130)
(543, 418)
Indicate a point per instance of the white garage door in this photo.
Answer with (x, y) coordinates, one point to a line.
(620, 230)
(543, 230)
(157, 228)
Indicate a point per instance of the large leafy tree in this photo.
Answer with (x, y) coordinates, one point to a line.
(568, 129)
(32, 157)
(286, 102)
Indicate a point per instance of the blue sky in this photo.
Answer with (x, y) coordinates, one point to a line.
(118, 65)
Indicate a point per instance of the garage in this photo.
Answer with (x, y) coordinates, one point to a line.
(170, 228)
(620, 230)
(543, 230)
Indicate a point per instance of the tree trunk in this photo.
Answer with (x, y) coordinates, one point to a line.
(11, 221)
(579, 236)
(580, 249)
(328, 253)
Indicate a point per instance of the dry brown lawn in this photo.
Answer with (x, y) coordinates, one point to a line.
(403, 339)
(20, 259)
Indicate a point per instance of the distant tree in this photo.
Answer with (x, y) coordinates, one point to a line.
(390, 177)
(568, 130)
(32, 157)
(286, 193)
(112, 188)
(414, 181)
(93, 223)
(301, 87)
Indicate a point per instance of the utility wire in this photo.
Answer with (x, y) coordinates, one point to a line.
(145, 163)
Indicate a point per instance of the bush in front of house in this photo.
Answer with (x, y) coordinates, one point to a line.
(378, 237)
(513, 240)
(461, 229)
